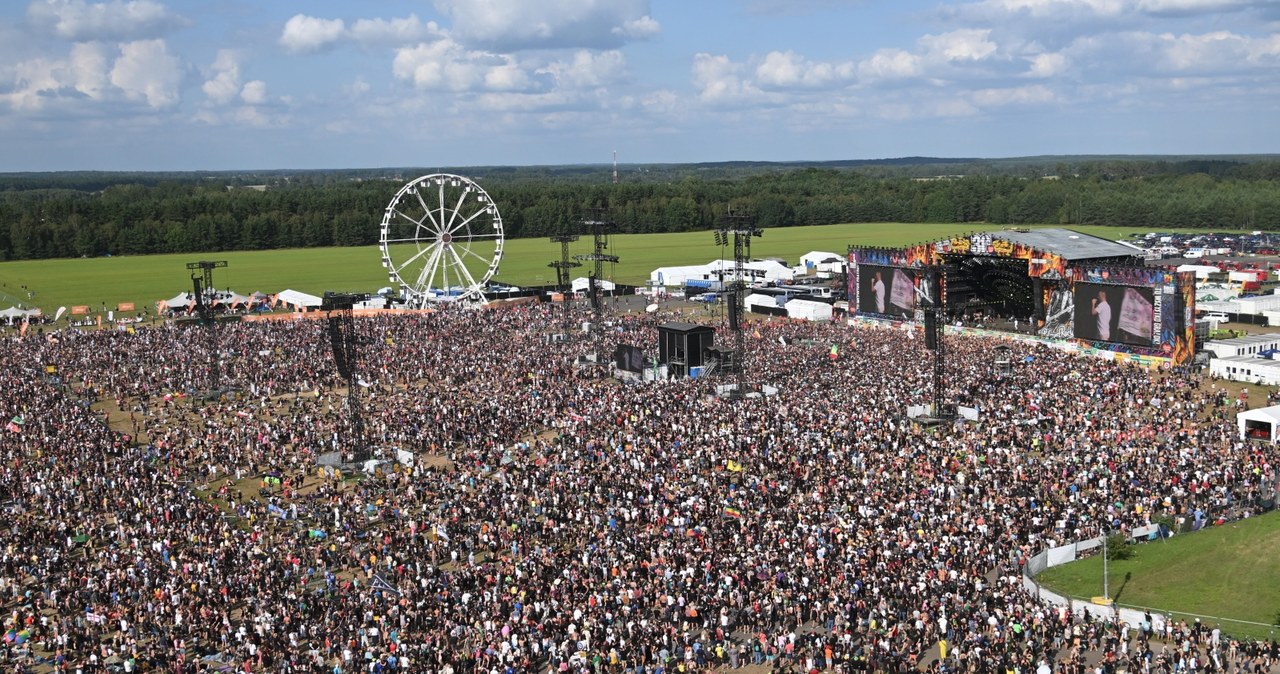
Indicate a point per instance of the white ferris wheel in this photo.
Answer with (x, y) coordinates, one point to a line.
(441, 239)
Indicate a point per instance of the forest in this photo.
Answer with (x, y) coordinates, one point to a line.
(77, 214)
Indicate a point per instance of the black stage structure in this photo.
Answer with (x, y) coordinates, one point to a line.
(344, 343)
(683, 346)
(202, 289)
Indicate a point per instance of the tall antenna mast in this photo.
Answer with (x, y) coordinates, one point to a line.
(615, 167)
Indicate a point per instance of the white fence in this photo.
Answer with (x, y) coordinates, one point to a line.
(1064, 554)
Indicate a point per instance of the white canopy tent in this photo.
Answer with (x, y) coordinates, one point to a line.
(230, 298)
(298, 300)
(176, 303)
(1262, 423)
(809, 310)
(758, 300)
(581, 283)
(14, 314)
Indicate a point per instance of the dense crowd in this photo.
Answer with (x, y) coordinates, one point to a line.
(554, 519)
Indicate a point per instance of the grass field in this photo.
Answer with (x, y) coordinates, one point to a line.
(1227, 572)
(145, 279)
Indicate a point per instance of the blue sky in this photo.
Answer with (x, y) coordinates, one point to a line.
(232, 84)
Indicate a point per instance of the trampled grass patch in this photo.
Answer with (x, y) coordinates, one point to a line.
(144, 279)
(1227, 572)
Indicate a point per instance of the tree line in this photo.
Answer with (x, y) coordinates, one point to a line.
(93, 214)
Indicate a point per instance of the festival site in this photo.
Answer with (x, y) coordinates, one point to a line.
(524, 509)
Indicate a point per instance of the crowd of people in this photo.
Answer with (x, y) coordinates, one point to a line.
(552, 519)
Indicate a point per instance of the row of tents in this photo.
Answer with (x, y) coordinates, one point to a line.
(14, 315)
(228, 299)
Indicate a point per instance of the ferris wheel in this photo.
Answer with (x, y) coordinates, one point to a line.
(441, 239)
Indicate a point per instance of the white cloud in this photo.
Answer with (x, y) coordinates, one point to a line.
(1047, 65)
(224, 82)
(1057, 8)
(141, 71)
(116, 20)
(788, 70)
(393, 32)
(1119, 14)
(720, 81)
(510, 25)
(304, 33)
(1027, 95)
(88, 64)
(1189, 7)
(146, 71)
(890, 64)
(588, 69)
(1135, 53)
(254, 92)
(642, 28)
(444, 65)
(968, 44)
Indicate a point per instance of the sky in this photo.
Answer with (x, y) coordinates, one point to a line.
(292, 84)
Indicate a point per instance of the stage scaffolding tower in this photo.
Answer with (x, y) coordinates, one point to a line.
(738, 230)
(344, 343)
(563, 267)
(202, 286)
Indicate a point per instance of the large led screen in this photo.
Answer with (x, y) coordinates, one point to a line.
(1115, 313)
(889, 291)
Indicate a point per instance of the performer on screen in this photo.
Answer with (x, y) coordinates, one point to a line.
(877, 287)
(1100, 308)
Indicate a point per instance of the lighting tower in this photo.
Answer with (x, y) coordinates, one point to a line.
(562, 267)
(599, 227)
(739, 230)
(202, 285)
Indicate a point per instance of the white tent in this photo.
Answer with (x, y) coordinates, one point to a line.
(1263, 423)
(818, 260)
(809, 310)
(768, 271)
(759, 300)
(296, 299)
(581, 283)
(178, 302)
(1201, 271)
(15, 314)
(680, 275)
(229, 298)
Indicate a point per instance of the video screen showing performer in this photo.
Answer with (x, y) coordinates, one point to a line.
(1115, 313)
(889, 291)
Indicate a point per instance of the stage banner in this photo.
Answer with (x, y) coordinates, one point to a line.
(903, 293)
(1136, 314)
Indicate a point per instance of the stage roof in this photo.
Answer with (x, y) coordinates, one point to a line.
(1069, 244)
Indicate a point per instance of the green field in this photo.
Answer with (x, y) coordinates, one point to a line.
(1227, 572)
(145, 279)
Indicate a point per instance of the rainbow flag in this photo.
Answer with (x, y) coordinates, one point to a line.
(730, 511)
